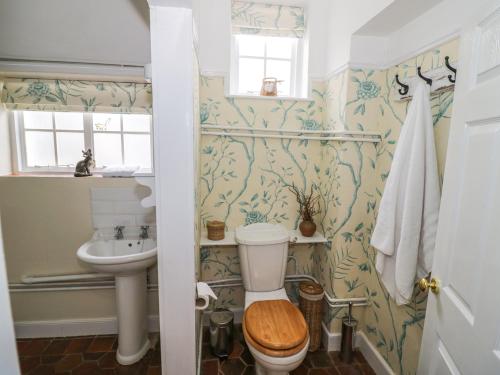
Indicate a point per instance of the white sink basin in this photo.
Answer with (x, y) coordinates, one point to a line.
(128, 260)
(118, 256)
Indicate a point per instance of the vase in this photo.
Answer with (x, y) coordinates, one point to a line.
(307, 228)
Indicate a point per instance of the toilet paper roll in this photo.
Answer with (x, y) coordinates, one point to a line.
(204, 292)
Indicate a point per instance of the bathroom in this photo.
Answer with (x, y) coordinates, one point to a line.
(106, 262)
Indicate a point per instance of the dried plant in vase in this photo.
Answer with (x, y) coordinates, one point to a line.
(308, 207)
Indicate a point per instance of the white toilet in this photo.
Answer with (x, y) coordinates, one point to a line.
(274, 329)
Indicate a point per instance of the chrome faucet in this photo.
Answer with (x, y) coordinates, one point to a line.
(119, 232)
(144, 232)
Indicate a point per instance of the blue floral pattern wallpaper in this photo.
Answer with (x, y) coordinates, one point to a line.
(245, 180)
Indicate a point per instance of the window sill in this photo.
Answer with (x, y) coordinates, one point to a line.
(70, 175)
(259, 97)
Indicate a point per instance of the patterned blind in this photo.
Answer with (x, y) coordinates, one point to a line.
(267, 19)
(75, 96)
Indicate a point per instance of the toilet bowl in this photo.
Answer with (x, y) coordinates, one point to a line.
(274, 329)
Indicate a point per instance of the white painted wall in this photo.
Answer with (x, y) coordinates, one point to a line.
(8, 354)
(431, 28)
(95, 31)
(345, 17)
(5, 159)
(213, 18)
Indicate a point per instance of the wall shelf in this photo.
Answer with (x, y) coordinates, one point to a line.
(229, 240)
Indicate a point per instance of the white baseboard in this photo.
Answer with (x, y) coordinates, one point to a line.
(76, 327)
(331, 341)
(372, 355)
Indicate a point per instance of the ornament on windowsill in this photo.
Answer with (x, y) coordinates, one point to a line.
(82, 168)
(269, 86)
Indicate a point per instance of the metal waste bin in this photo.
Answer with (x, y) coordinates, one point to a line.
(221, 332)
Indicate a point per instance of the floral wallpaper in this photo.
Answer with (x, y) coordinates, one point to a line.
(245, 180)
(365, 100)
(77, 96)
(267, 19)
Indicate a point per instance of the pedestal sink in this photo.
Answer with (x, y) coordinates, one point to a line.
(128, 260)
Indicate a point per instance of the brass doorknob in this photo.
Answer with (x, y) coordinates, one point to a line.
(424, 284)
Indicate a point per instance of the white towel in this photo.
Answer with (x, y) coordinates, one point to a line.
(119, 170)
(405, 231)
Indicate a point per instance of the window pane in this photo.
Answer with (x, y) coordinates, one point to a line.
(250, 45)
(69, 148)
(280, 47)
(108, 149)
(39, 149)
(68, 120)
(106, 122)
(280, 70)
(251, 73)
(37, 120)
(136, 123)
(137, 150)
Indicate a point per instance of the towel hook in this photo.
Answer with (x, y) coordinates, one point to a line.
(453, 70)
(427, 80)
(404, 88)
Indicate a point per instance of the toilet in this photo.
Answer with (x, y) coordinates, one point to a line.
(274, 328)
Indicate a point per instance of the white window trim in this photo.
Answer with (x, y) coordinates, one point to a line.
(297, 72)
(18, 145)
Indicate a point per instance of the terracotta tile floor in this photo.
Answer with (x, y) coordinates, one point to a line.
(241, 362)
(86, 355)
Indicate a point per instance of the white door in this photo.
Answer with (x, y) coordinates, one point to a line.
(8, 354)
(462, 328)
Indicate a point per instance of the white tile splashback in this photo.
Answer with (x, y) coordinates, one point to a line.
(119, 206)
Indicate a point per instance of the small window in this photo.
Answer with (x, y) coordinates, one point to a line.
(258, 57)
(53, 141)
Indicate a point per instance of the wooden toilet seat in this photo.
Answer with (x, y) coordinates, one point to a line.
(275, 328)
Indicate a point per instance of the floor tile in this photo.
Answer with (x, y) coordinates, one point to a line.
(237, 350)
(56, 347)
(349, 370)
(78, 345)
(210, 367)
(29, 363)
(232, 367)
(101, 344)
(301, 370)
(319, 359)
(35, 347)
(68, 363)
(43, 370)
(108, 360)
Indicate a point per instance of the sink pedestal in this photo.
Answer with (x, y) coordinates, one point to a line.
(131, 305)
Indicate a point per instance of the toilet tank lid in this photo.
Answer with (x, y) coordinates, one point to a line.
(261, 234)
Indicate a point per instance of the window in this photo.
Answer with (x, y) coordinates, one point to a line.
(257, 57)
(53, 141)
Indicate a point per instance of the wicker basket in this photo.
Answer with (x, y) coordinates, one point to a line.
(215, 230)
(311, 305)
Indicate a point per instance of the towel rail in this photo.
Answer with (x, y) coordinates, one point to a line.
(314, 135)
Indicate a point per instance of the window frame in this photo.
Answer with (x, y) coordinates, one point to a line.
(18, 143)
(297, 72)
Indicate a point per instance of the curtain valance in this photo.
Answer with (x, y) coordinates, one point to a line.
(76, 96)
(267, 19)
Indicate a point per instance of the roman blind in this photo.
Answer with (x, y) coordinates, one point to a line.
(75, 96)
(267, 19)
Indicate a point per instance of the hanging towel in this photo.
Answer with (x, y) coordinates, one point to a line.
(405, 230)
